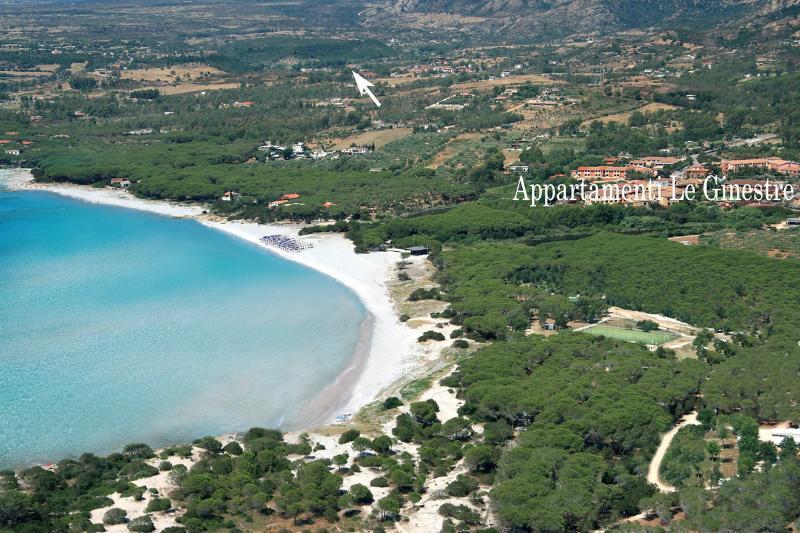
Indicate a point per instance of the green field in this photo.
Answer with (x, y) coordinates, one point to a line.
(632, 335)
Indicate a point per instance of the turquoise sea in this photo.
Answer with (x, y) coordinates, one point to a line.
(120, 326)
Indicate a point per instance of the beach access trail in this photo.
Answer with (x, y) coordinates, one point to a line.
(658, 457)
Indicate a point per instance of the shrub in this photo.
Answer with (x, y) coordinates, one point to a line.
(459, 512)
(142, 524)
(379, 482)
(115, 516)
(349, 436)
(647, 325)
(424, 294)
(210, 444)
(158, 505)
(431, 335)
(462, 486)
(138, 451)
(460, 344)
(144, 470)
(391, 402)
(404, 318)
(164, 466)
(233, 448)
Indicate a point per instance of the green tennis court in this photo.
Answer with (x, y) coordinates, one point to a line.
(631, 335)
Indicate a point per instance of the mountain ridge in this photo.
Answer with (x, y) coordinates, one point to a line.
(548, 18)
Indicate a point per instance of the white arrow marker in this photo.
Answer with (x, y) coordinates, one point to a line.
(363, 87)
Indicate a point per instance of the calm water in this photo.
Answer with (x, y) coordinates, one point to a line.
(119, 326)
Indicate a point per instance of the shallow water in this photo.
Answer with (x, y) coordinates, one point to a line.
(119, 326)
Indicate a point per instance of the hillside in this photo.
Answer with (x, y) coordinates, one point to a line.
(540, 19)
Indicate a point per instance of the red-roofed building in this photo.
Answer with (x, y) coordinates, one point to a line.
(328, 204)
(5, 141)
(27, 143)
(601, 173)
(787, 167)
(290, 196)
(697, 172)
(657, 162)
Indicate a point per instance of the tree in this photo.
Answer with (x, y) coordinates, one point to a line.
(389, 507)
(209, 444)
(713, 450)
(457, 429)
(361, 494)
(233, 448)
(382, 444)
(706, 418)
(722, 432)
(788, 449)
(424, 413)
(15, 508)
(480, 458)
(83, 83)
(361, 444)
(647, 325)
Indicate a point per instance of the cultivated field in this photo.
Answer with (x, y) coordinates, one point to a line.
(450, 149)
(24, 73)
(622, 118)
(182, 88)
(508, 81)
(631, 335)
(378, 138)
(188, 71)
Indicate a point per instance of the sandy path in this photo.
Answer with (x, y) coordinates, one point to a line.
(666, 440)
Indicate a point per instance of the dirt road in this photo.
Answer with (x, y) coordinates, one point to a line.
(655, 463)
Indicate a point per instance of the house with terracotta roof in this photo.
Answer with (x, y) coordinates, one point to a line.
(600, 173)
(697, 171)
(290, 196)
(642, 169)
(657, 162)
(774, 164)
(790, 168)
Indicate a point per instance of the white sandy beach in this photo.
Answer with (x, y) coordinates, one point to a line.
(392, 344)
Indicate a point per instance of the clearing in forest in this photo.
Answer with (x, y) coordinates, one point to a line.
(631, 335)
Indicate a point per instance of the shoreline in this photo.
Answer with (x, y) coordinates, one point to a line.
(387, 347)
